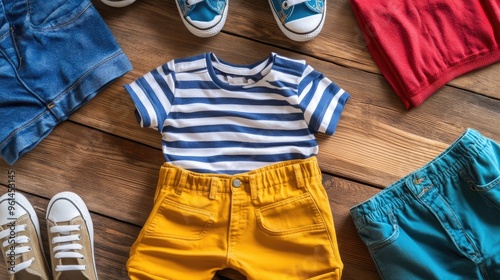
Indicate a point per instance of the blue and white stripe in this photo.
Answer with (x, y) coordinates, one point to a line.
(217, 117)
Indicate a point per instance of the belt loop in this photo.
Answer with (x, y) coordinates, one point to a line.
(214, 187)
(253, 186)
(181, 183)
(298, 176)
(161, 181)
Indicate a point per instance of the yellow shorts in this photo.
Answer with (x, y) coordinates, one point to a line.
(271, 223)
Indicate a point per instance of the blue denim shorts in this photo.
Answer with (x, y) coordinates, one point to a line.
(54, 56)
(441, 221)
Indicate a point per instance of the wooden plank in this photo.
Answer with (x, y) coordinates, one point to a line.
(110, 172)
(343, 195)
(377, 143)
(112, 111)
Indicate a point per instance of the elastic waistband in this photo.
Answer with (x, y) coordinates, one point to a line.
(413, 185)
(293, 172)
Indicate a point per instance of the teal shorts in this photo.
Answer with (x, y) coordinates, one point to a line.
(441, 221)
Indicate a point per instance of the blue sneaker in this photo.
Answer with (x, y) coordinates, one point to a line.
(203, 18)
(299, 20)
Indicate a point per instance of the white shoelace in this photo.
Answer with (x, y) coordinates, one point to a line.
(66, 247)
(18, 250)
(288, 3)
(192, 2)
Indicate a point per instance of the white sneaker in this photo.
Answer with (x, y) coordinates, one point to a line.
(20, 239)
(71, 238)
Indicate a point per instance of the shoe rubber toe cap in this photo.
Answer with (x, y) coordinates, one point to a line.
(66, 206)
(305, 25)
(13, 207)
(204, 24)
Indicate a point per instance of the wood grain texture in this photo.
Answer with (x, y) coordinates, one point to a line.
(103, 154)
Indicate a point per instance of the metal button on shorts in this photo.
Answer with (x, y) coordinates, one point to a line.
(236, 183)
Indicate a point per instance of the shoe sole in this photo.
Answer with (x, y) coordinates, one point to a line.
(299, 37)
(204, 33)
(80, 205)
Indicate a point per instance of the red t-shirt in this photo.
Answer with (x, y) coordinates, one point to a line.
(421, 45)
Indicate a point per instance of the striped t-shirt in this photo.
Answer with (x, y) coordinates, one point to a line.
(217, 117)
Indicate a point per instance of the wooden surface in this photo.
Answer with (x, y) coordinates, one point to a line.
(102, 154)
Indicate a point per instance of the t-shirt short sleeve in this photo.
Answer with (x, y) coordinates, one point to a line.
(321, 100)
(153, 95)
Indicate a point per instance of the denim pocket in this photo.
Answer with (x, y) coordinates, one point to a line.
(490, 191)
(48, 15)
(380, 232)
(289, 216)
(483, 174)
(178, 221)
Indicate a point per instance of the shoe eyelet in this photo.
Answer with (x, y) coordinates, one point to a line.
(284, 5)
(79, 237)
